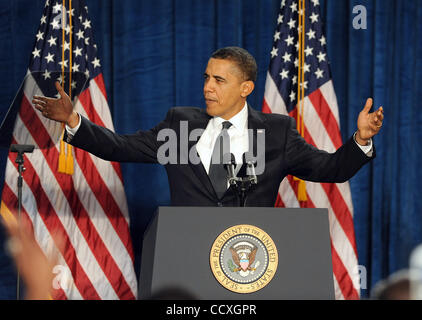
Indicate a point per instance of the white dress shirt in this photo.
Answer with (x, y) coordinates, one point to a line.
(238, 133)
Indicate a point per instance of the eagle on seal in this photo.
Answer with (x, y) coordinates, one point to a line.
(243, 255)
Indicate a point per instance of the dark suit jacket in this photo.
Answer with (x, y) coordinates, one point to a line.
(286, 152)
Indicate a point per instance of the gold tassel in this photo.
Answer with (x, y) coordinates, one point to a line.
(7, 215)
(65, 158)
(62, 158)
(69, 160)
(301, 192)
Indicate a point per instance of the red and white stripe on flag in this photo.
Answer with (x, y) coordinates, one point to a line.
(321, 129)
(321, 124)
(88, 208)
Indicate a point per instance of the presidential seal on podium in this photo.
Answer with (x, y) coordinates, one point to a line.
(244, 259)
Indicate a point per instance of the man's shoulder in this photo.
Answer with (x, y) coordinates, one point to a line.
(192, 113)
(273, 118)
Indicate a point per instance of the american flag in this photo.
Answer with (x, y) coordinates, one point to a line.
(85, 204)
(321, 127)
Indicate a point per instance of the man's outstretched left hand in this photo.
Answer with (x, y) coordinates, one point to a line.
(369, 124)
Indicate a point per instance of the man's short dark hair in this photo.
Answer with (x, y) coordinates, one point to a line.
(243, 59)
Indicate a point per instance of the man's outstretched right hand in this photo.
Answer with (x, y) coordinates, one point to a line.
(60, 109)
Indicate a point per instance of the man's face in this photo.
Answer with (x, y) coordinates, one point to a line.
(224, 88)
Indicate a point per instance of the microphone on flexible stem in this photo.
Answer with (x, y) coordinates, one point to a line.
(231, 165)
(250, 168)
(234, 181)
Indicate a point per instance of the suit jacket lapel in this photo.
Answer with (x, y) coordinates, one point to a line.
(255, 122)
(200, 123)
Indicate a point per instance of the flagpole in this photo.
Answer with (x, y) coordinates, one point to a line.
(62, 155)
(69, 157)
(302, 197)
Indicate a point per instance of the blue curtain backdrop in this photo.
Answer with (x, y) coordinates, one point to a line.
(153, 57)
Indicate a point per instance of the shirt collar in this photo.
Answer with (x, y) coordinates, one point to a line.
(238, 121)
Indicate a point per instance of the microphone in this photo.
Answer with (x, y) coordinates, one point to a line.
(230, 166)
(250, 167)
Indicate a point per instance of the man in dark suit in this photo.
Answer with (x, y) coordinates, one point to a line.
(224, 126)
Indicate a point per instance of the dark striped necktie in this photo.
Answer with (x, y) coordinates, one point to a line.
(217, 170)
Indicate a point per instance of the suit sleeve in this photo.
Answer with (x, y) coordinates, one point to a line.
(311, 164)
(141, 146)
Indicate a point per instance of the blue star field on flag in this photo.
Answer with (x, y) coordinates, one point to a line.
(284, 54)
(46, 59)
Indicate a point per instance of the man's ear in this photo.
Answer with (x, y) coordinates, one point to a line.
(246, 88)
